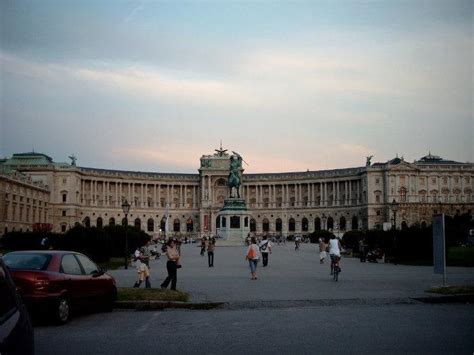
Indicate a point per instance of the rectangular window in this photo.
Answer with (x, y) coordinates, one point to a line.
(64, 213)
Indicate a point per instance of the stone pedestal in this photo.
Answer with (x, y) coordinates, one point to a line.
(234, 222)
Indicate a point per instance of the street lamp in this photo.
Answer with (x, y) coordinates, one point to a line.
(395, 249)
(126, 209)
(394, 210)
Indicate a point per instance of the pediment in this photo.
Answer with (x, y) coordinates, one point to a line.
(402, 166)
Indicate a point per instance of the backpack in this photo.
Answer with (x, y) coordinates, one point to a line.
(251, 254)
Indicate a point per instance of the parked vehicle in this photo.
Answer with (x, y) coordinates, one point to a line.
(60, 281)
(16, 331)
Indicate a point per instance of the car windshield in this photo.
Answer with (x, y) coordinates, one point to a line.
(27, 261)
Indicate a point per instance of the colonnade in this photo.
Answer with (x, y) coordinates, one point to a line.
(105, 193)
(303, 194)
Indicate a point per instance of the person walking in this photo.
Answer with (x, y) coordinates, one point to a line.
(265, 247)
(210, 252)
(203, 245)
(322, 250)
(253, 254)
(143, 269)
(172, 265)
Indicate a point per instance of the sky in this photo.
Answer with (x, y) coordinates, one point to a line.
(290, 86)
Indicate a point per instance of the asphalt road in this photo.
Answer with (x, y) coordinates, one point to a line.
(368, 329)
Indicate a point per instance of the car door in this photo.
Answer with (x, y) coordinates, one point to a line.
(96, 285)
(76, 281)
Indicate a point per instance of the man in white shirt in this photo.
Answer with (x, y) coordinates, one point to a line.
(265, 247)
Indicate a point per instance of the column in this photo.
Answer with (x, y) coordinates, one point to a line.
(91, 192)
(145, 201)
(326, 194)
(300, 195)
(345, 193)
(82, 192)
(349, 192)
(154, 196)
(159, 195)
(209, 188)
(287, 195)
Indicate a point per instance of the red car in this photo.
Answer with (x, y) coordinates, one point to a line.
(60, 281)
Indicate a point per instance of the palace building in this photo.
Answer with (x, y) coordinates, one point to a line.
(36, 191)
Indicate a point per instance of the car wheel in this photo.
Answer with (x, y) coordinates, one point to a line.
(63, 310)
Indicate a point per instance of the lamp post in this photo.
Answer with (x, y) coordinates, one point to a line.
(126, 209)
(394, 210)
(394, 206)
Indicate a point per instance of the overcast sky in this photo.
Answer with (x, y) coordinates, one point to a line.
(291, 86)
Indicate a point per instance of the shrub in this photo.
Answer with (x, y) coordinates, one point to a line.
(326, 235)
(351, 239)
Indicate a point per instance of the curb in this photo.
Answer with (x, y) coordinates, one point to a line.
(160, 305)
(446, 299)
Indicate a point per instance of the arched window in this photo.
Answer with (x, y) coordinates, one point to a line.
(404, 225)
(234, 222)
(99, 222)
(265, 225)
(150, 225)
(163, 224)
(317, 224)
(124, 221)
(342, 223)
(189, 225)
(176, 225)
(330, 223)
(218, 222)
(423, 224)
(138, 223)
(355, 223)
(87, 222)
(278, 225)
(112, 221)
(253, 225)
(304, 224)
(291, 225)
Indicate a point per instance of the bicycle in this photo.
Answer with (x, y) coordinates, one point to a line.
(335, 268)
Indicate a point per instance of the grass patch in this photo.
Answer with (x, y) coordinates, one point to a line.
(150, 294)
(461, 256)
(453, 290)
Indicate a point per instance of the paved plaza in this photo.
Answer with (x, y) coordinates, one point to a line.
(294, 276)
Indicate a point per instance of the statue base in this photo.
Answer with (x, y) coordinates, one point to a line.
(234, 223)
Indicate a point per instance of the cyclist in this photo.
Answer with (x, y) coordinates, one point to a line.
(335, 252)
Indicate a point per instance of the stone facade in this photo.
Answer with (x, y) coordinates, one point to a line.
(286, 203)
(24, 204)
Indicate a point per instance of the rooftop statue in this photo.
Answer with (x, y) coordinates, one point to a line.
(73, 159)
(234, 175)
(368, 159)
